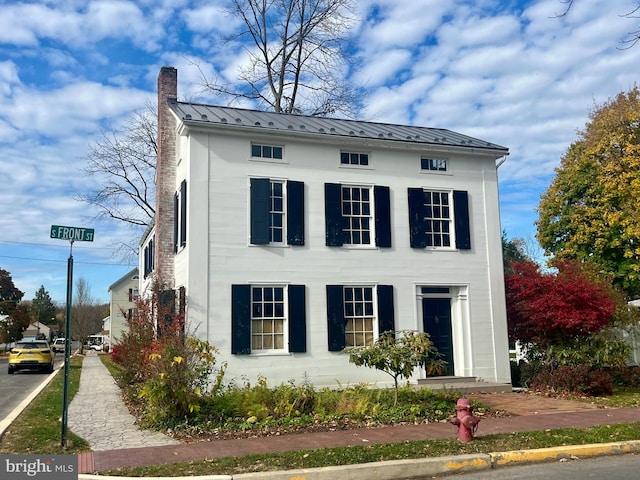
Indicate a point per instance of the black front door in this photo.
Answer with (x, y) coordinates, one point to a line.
(436, 319)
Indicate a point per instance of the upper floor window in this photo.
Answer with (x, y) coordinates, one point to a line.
(277, 212)
(433, 164)
(133, 295)
(357, 215)
(266, 151)
(439, 219)
(354, 158)
(180, 217)
(149, 257)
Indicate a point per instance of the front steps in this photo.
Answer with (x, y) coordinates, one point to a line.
(462, 385)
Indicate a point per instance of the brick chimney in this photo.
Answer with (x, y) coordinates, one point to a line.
(166, 177)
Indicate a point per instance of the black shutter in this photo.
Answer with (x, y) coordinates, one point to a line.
(183, 213)
(461, 219)
(295, 213)
(386, 314)
(176, 240)
(260, 203)
(241, 319)
(297, 319)
(333, 214)
(383, 216)
(335, 318)
(417, 230)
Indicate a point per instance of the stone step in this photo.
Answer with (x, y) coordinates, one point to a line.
(462, 385)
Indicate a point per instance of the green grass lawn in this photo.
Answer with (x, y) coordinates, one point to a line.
(38, 430)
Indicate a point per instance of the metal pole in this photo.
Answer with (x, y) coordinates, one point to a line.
(67, 345)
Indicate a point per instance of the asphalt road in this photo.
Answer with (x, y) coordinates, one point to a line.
(15, 388)
(615, 467)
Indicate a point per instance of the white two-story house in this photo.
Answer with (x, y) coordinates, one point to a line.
(286, 238)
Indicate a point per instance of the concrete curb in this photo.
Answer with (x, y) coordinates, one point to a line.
(8, 420)
(420, 468)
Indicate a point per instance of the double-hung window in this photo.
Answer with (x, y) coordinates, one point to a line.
(439, 219)
(358, 314)
(357, 215)
(277, 212)
(268, 319)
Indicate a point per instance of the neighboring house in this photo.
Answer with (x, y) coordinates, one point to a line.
(123, 295)
(38, 330)
(286, 238)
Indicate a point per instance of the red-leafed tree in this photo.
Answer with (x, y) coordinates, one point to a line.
(554, 308)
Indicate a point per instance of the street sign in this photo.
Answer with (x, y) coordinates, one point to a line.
(75, 234)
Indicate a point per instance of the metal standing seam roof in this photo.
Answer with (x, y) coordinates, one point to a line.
(211, 114)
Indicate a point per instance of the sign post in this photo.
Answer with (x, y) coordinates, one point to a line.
(72, 234)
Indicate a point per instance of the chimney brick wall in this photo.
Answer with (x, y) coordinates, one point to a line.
(166, 177)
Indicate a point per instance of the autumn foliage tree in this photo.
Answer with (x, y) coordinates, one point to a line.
(590, 211)
(548, 308)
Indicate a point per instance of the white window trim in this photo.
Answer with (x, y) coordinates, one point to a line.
(355, 167)
(374, 297)
(372, 212)
(452, 229)
(434, 172)
(284, 352)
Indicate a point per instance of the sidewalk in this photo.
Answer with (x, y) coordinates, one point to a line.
(100, 417)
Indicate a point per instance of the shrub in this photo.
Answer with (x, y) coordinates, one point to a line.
(580, 380)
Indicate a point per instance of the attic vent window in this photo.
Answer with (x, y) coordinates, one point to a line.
(238, 120)
(321, 130)
(223, 120)
(361, 132)
(433, 164)
(332, 129)
(257, 124)
(204, 117)
(270, 124)
(187, 116)
(290, 127)
(302, 127)
(354, 158)
(351, 132)
(266, 151)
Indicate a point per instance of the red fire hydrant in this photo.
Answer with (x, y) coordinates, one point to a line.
(465, 421)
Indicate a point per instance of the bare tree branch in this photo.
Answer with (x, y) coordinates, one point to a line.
(124, 162)
(297, 56)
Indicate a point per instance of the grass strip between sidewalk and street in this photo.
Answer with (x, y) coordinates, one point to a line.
(38, 429)
(391, 451)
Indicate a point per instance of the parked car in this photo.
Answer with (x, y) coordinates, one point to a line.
(33, 354)
(58, 345)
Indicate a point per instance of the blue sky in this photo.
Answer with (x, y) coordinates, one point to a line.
(509, 72)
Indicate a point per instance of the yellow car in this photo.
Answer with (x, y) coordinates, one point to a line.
(32, 354)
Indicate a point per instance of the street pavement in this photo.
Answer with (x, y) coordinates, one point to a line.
(98, 414)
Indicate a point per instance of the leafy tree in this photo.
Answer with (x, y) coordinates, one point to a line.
(590, 211)
(512, 251)
(296, 56)
(16, 318)
(553, 308)
(42, 308)
(399, 355)
(9, 294)
(16, 322)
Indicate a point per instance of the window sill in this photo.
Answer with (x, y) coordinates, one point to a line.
(271, 353)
